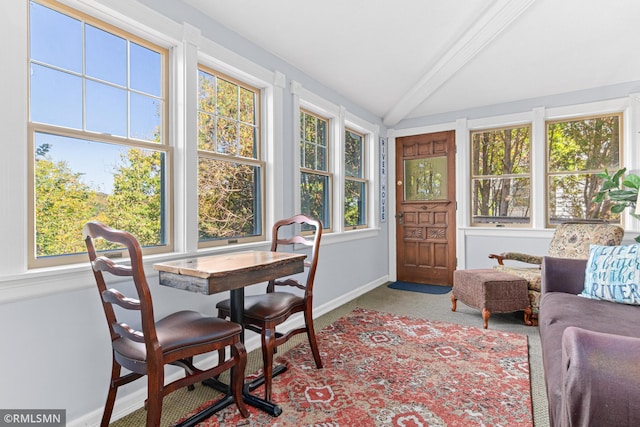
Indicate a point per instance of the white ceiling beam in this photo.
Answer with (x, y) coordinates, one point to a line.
(495, 20)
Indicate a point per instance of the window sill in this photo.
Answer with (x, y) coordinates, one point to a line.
(41, 282)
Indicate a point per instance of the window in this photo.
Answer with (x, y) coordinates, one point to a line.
(97, 134)
(315, 185)
(355, 184)
(501, 176)
(579, 149)
(230, 168)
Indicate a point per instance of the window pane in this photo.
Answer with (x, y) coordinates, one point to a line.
(308, 155)
(313, 142)
(227, 136)
(228, 200)
(354, 203)
(584, 145)
(79, 180)
(56, 97)
(570, 198)
(105, 56)
(501, 152)
(145, 70)
(247, 141)
(247, 106)
(314, 194)
(55, 39)
(578, 150)
(146, 113)
(206, 132)
(501, 176)
(501, 200)
(353, 157)
(206, 92)
(321, 127)
(229, 127)
(227, 99)
(106, 109)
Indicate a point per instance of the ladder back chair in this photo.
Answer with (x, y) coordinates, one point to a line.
(174, 340)
(262, 313)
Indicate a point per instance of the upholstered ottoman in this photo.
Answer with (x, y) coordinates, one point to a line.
(491, 291)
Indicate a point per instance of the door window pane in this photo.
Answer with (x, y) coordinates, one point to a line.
(425, 179)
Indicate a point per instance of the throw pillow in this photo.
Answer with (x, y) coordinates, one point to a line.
(613, 274)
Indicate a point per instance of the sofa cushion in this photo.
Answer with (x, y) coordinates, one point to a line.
(613, 274)
(559, 310)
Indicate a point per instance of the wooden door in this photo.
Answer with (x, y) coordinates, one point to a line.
(426, 208)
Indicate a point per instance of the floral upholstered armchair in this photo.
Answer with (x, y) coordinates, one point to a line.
(570, 240)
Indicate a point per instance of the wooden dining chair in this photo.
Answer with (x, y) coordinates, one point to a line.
(262, 313)
(174, 340)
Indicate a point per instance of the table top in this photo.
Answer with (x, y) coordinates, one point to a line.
(215, 273)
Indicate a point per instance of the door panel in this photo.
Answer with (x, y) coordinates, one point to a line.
(425, 208)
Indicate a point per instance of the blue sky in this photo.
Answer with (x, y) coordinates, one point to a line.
(85, 78)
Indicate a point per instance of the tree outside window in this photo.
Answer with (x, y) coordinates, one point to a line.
(501, 176)
(579, 150)
(230, 171)
(315, 179)
(355, 185)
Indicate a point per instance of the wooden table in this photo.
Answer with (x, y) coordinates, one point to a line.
(231, 272)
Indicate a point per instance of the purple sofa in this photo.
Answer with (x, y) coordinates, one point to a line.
(590, 351)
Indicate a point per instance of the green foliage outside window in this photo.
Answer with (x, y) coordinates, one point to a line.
(579, 151)
(501, 175)
(354, 184)
(229, 168)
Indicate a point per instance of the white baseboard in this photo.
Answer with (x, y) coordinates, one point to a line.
(135, 400)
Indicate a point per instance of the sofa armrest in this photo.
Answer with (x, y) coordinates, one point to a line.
(517, 256)
(563, 275)
(600, 379)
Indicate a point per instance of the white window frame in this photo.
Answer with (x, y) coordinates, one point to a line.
(123, 141)
(339, 119)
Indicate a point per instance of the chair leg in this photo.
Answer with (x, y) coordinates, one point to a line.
(239, 353)
(268, 348)
(154, 396)
(111, 395)
(311, 335)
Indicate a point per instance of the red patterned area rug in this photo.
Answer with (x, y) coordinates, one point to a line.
(382, 369)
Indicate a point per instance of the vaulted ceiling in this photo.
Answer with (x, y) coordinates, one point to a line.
(412, 58)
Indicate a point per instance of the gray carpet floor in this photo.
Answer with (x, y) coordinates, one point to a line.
(435, 307)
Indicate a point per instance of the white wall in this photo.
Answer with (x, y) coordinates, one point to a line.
(56, 348)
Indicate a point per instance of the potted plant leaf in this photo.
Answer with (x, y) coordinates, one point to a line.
(621, 190)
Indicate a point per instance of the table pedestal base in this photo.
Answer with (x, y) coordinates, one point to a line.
(250, 399)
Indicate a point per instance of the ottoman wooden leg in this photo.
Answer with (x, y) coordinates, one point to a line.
(454, 302)
(485, 317)
(527, 316)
